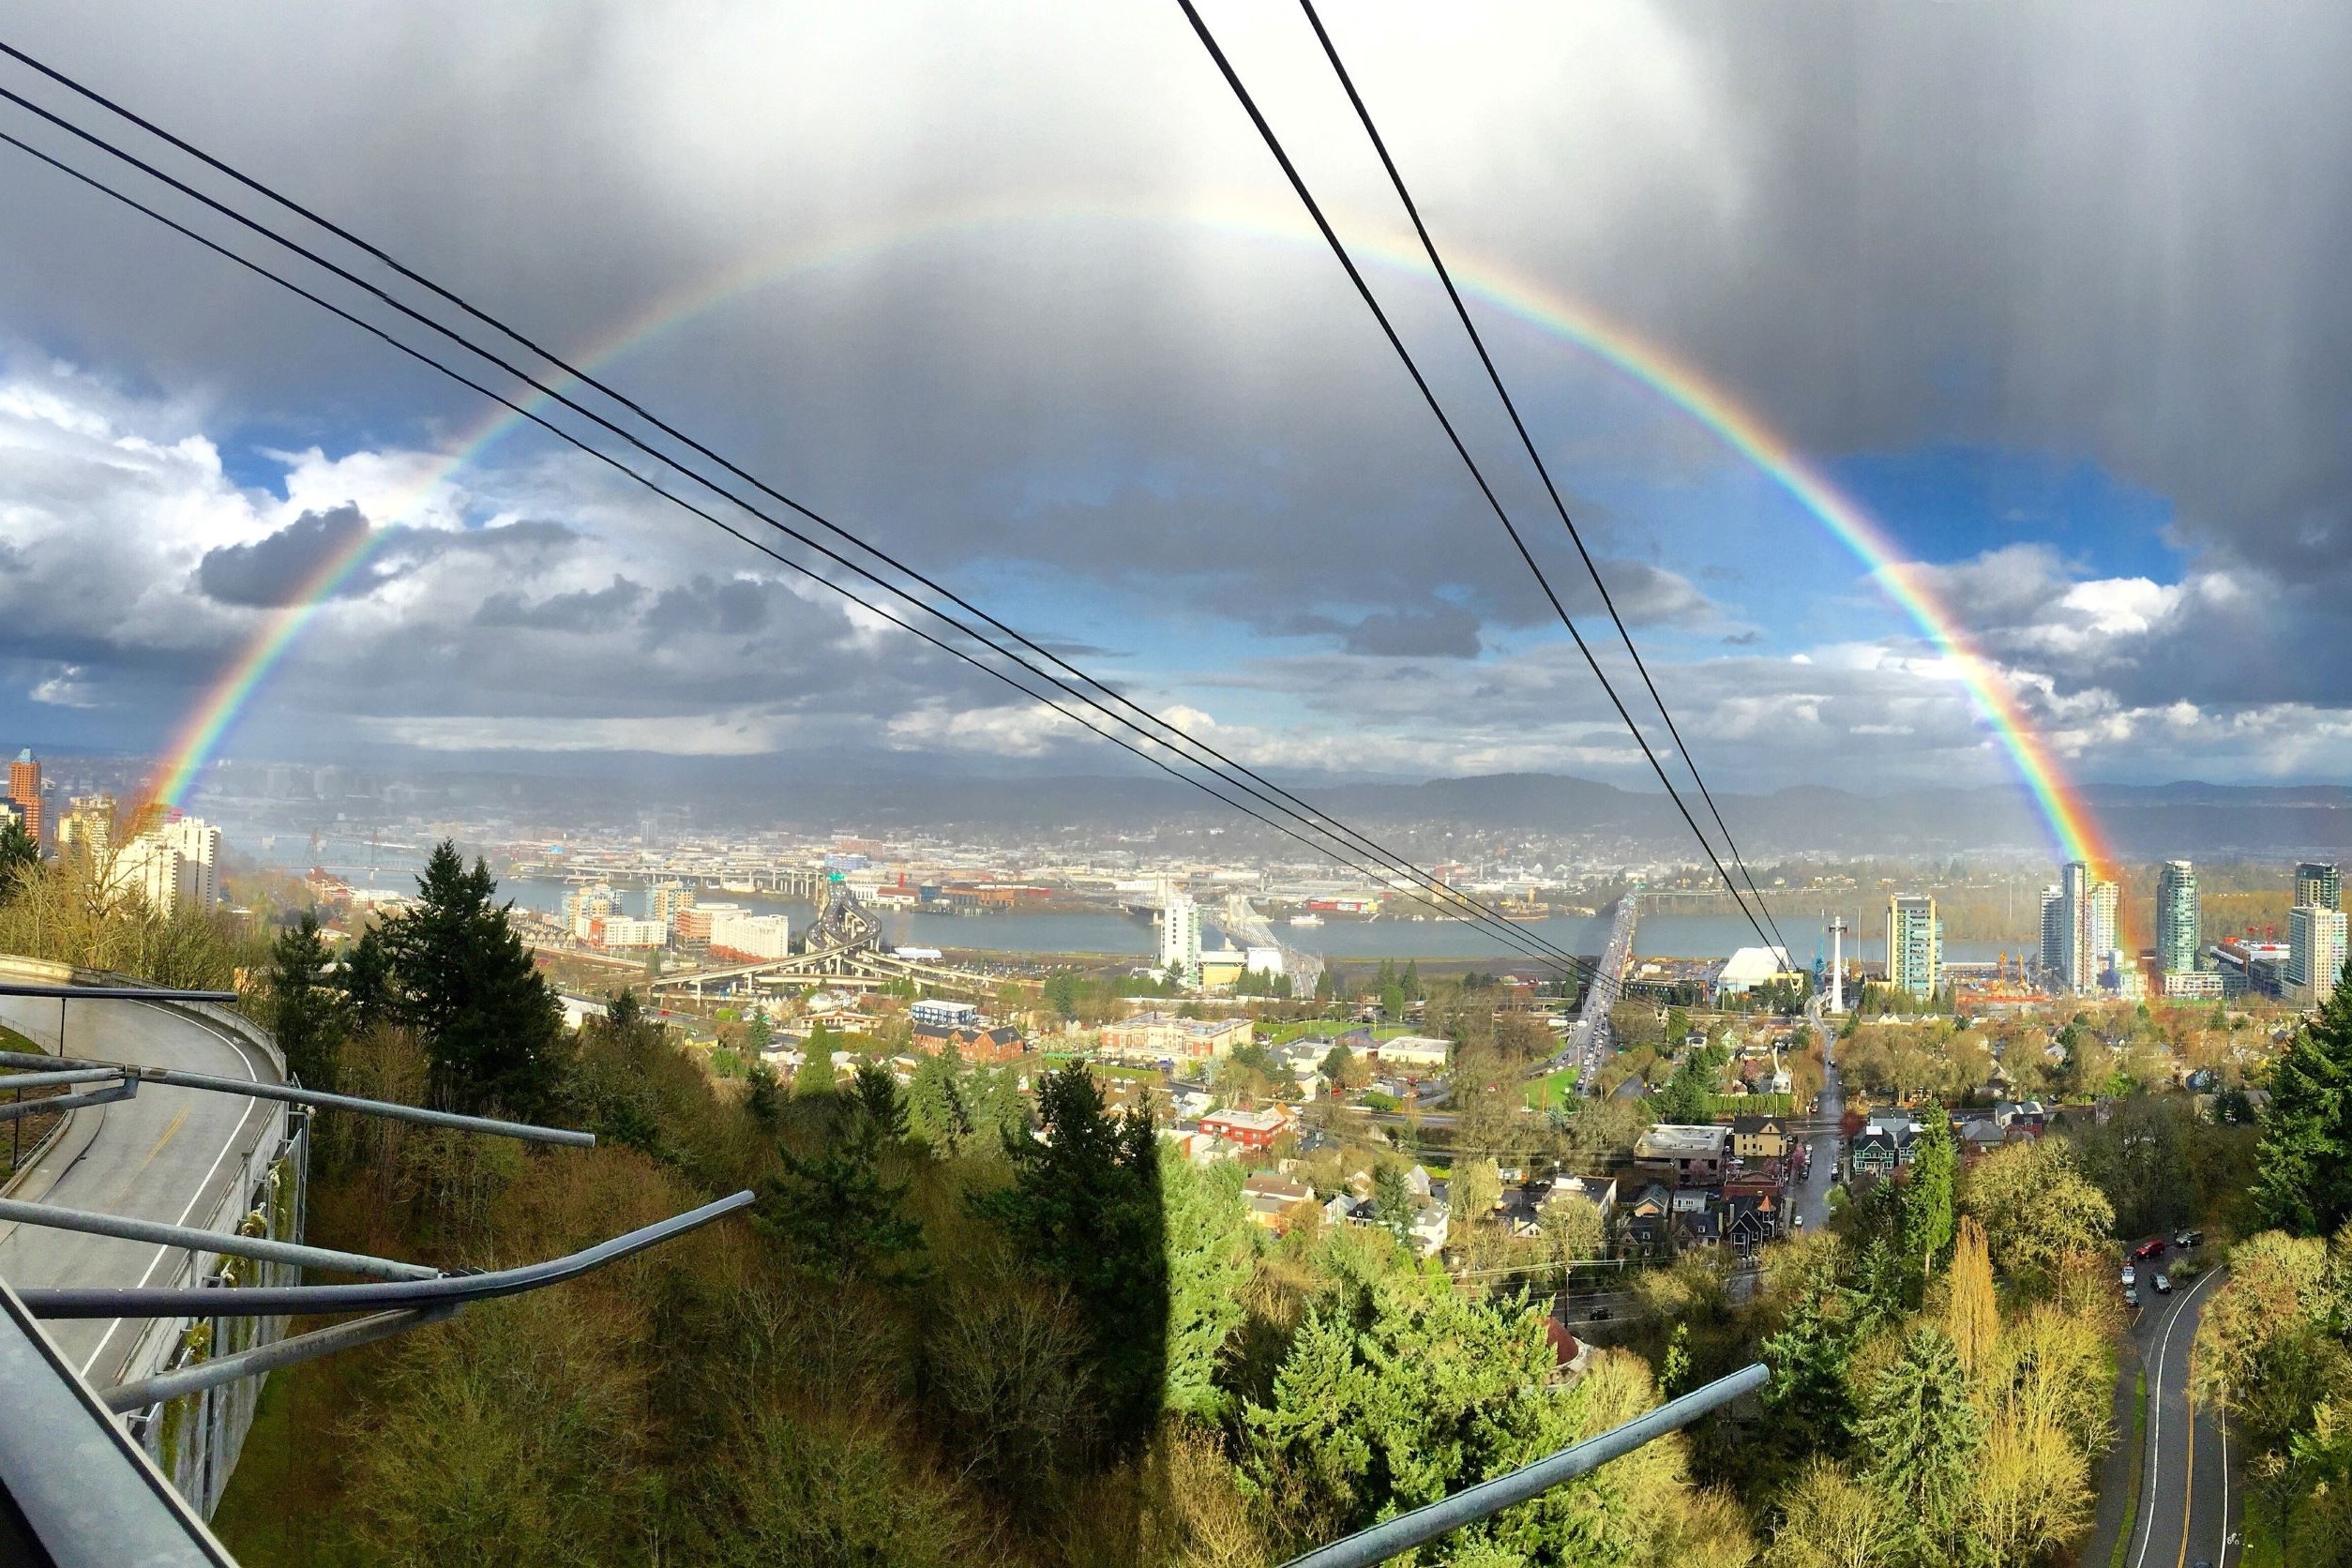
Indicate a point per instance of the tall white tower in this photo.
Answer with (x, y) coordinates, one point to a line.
(1837, 963)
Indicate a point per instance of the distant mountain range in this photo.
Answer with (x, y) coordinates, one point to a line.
(2144, 822)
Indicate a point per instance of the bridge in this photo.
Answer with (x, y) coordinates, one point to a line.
(843, 950)
(1590, 1037)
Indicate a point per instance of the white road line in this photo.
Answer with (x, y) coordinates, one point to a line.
(236, 1135)
(2156, 1428)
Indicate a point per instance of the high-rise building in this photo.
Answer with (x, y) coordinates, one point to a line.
(2315, 953)
(2177, 917)
(2319, 884)
(1915, 957)
(2053, 924)
(173, 865)
(88, 828)
(25, 787)
(663, 900)
(2085, 926)
(1180, 936)
(198, 844)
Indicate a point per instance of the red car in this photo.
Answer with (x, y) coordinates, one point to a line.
(2150, 1249)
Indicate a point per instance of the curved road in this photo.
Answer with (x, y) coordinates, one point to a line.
(164, 1155)
(2187, 1499)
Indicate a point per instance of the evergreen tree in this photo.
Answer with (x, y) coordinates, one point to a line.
(1207, 1248)
(1927, 1201)
(1410, 981)
(366, 980)
(19, 855)
(816, 1074)
(303, 1011)
(1923, 1436)
(839, 1210)
(1393, 1202)
(765, 1098)
(466, 983)
(1325, 989)
(1810, 1397)
(936, 1104)
(2305, 1183)
(1085, 1205)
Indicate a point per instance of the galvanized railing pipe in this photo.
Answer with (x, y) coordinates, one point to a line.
(178, 1080)
(225, 1243)
(269, 1300)
(125, 1089)
(1488, 1497)
(138, 1395)
(47, 1080)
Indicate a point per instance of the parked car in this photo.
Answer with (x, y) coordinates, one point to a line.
(2152, 1248)
(2189, 1239)
(2131, 1276)
(2130, 1297)
(2163, 1285)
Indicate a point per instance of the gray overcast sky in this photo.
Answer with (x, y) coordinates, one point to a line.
(2052, 291)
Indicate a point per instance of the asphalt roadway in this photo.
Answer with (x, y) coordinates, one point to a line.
(2185, 1492)
(164, 1155)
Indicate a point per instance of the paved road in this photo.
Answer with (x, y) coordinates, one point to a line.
(1813, 1198)
(166, 1154)
(2189, 1504)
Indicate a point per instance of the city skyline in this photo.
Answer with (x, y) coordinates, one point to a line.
(2090, 570)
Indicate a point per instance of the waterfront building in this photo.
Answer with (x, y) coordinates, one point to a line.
(2177, 919)
(1180, 936)
(1914, 946)
(2315, 953)
(2319, 885)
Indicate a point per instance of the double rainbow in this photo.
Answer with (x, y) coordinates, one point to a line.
(2071, 825)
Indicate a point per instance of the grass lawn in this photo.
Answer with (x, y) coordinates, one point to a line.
(1552, 1092)
(2265, 1545)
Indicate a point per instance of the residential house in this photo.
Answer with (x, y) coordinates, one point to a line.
(1751, 1218)
(1273, 1198)
(1648, 1217)
(1756, 1139)
(1877, 1153)
(1425, 1233)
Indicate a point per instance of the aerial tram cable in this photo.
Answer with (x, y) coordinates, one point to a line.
(1480, 914)
(1364, 290)
(1526, 441)
(1265, 789)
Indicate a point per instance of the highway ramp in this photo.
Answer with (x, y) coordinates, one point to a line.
(166, 1154)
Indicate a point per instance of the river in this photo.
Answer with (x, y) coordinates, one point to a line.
(1665, 934)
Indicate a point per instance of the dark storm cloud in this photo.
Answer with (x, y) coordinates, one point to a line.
(2099, 229)
(589, 609)
(280, 569)
(1446, 632)
(734, 606)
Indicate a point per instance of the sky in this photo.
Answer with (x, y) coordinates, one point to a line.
(2052, 291)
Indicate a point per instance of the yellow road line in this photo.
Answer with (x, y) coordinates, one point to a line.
(169, 1132)
(2189, 1486)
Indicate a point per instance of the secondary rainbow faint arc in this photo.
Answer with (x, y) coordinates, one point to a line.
(200, 735)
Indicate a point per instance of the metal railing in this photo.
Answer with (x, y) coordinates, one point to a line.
(1488, 1497)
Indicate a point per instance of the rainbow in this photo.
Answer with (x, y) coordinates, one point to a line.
(2072, 825)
